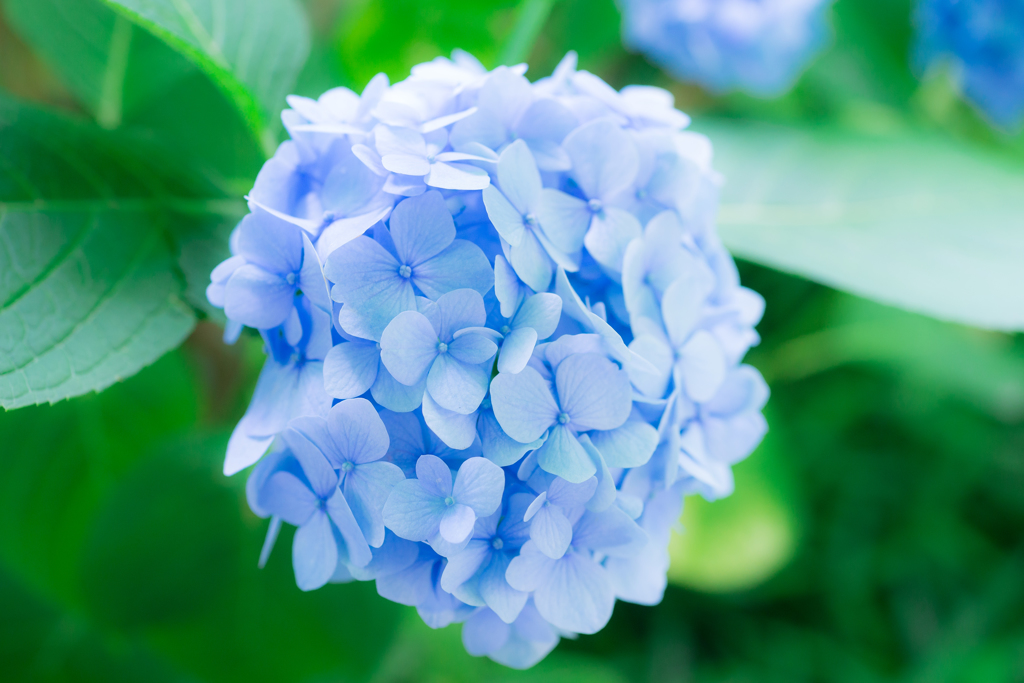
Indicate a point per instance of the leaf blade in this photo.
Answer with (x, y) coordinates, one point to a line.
(925, 224)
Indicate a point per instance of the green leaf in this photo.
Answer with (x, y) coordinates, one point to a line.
(113, 67)
(908, 219)
(90, 291)
(128, 78)
(252, 49)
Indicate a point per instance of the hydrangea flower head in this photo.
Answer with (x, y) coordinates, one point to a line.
(759, 46)
(503, 342)
(984, 41)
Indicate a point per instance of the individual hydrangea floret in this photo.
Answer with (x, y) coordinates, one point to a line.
(983, 43)
(759, 46)
(503, 342)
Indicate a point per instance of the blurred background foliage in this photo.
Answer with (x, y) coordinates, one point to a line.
(877, 534)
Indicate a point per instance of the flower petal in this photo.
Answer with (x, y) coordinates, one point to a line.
(479, 484)
(412, 512)
(350, 369)
(457, 523)
(594, 392)
(563, 456)
(523, 404)
(357, 430)
(408, 347)
(314, 552)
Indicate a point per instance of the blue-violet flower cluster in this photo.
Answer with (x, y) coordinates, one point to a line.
(759, 46)
(984, 42)
(503, 341)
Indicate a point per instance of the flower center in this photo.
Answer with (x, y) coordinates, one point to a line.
(347, 467)
(595, 205)
(405, 271)
(449, 501)
(442, 347)
(328, 218)
(530, 219)
(563, 418)
(290, 278)
(505, 329)
(497, 544)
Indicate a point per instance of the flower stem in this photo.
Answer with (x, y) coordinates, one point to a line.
(532, 15)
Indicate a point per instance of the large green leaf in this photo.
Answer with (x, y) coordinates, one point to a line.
(252, 49)
(908, 219)
(127, 77)
(90, 291)
(112, 66)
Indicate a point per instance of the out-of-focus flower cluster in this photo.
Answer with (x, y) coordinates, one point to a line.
(759, 46)
(503, 342)
(983, 40)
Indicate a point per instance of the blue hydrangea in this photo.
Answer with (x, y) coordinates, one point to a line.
(983, 42)
(759, 46)
(503, 342)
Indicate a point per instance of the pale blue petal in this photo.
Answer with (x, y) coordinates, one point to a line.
(408, 347)
(568, 495)
(517, 348)
(458, 310)
(455, 176)
(551, 532)
(462, 566)
(394, 555)
(410, 586)
(315, 464)
(479, 484)
(412, 512)
(541, 312)
(314, 552)
(269, 242)
(357, 430)
(702, 364)
(257, 298)
(505, 600)
(530, 569)
(461, 266)
(610, 233)
(350, 369)
(457, 386)
(523, 404)
(612, 532)
(605, 494)
(393, 395)
(507, 220)
(563, 456)
(456, 430)
(434, 475)
(594, 392)
(359, 553)
(577, 595)
(472, 348)
(288, 498)
(507, 287)
(546, 119)
(682, 304)
(630, 445)
(457, 523)
(532, 263)
(421, 227)
(498, 447)
(604, 159)
(311, 277)
(367, 277)
(565, 219)
(519, 178)
(366, 489)
(484, 633)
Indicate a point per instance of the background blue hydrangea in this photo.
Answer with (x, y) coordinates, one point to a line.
(758, 46)
(983, 42)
